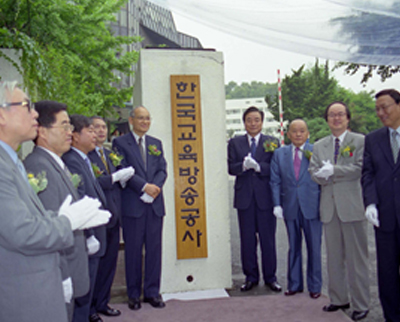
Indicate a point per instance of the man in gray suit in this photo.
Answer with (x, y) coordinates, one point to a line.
(53, 140)
(30, 236)
(336, 165)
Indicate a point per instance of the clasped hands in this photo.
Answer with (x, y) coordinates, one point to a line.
(326, 171)
(250, 163)
(84, 213)
(151, 191)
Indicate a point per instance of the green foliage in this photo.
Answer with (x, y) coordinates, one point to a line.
(68, 51)
(306, 94)
(246, 90)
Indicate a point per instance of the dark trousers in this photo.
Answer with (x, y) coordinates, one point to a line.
(388, 261)
(106, 271)
(253, 223)
(145, 231)
(312, 229)
(83, 303)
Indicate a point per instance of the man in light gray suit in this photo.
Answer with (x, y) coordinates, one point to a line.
(336, 165)
(53, 140)
(30, 236)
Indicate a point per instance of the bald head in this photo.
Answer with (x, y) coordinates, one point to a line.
(298, 132)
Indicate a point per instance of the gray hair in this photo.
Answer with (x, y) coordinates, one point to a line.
(132, 113)
(6, 89)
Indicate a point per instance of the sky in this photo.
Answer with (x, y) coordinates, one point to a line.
(246, 61)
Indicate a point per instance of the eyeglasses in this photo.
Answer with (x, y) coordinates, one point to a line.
(333, 115)
(383, 108)
(26, 103)
(65, 127)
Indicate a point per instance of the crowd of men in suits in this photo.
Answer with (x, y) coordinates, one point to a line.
(336, 186)
(62, 209)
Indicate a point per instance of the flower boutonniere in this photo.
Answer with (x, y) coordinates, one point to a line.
(38, 183)
(269, 146)
(115, 158)
(307, 154)
(76, 180)
(153, 150)
(347, 151)
(96, 170)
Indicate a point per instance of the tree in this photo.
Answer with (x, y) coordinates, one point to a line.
(306, 94)
(385, 31)
(68, 51)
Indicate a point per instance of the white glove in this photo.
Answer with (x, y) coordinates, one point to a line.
(250, 163)
(102, 217)
(326, 171)
(371, 213)
(79, 212)
(123, 175)
(67, 288)
(146, 198)
(93, 245)
(278, 212)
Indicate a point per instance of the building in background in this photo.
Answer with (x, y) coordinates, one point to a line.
(234, 112)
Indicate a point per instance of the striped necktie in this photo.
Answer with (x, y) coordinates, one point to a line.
(103, 159)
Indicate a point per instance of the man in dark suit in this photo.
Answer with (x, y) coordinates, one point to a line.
(336, 166)
(77, 161)
(249, 159)
(109, 180)
(381, 189)
(53, 140)
(296, 199)
(142, 209)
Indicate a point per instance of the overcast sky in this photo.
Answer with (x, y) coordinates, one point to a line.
(246, 61)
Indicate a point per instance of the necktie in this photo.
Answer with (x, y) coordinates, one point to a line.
(253, 147)
(104, 160)
(90, 166)
(296, 163)
(68, 173)
(395, 146)
(337, 147)
(142, 151)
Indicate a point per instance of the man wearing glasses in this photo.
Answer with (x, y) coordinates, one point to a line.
(336, 166)
(30, 236)
(381, 188)
(53, 140)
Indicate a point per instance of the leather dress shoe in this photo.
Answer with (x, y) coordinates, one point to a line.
(359, 315)
(333, 307)
(290, 293)
(274, 286)
(315, 295)
(109, 311)
(247, 286)
(134, 304)
(155, 301)
(95, 318)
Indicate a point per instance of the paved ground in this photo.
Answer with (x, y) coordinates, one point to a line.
(375, 315)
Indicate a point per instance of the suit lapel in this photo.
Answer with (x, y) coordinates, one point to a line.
(384, 144)
(288, 155)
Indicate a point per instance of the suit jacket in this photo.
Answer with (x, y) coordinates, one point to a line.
(249, 182)
(59, 186)
(111, 191)
(30, 239)
(155, 172)
(290, 193)
(381, 179)
(342, 190)
(88, 187)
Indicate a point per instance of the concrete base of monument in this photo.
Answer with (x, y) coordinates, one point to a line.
(196, 295)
